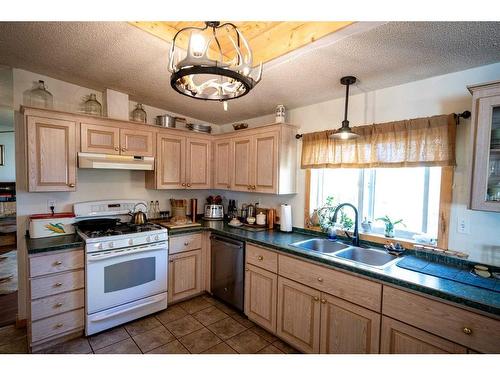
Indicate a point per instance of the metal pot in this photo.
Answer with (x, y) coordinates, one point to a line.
(139, 217)
(167, 121)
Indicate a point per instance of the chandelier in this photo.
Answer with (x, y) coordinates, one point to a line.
(218, 63)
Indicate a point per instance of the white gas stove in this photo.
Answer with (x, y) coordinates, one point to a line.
(126, 264)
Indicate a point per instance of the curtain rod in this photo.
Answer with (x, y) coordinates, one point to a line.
(464, 114)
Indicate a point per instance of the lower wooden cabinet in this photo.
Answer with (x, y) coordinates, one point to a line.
(298, 315)
(261, 296)
(184, 275)
(401, 338)
(347, 328)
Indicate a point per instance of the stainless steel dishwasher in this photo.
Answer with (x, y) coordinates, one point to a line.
(228, 274)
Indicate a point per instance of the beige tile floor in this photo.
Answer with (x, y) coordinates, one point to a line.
(199, 325)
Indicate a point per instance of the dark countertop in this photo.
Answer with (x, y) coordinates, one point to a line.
(467, 295)
(46, 244)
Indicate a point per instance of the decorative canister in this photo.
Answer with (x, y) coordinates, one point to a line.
(40, 97)
(280, 113)
(139, 114)
(261, 218)
(92, 106)
(50, 225)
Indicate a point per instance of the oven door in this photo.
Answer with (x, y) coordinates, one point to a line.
(124, 275)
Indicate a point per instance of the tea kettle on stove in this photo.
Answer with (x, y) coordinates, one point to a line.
(139, 217)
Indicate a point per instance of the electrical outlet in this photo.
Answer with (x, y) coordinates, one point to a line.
(51, 203)
(463, 225)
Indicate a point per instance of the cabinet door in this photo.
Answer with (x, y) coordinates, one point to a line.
(222, 164)
(170, 162)
(51, 148)
(400, 338)
(136, 142)
(265, 174)
(242, 164)
(486, 170)
(347, 328)
(100, 139)
(184, 275)
(198, 163)
(298, 315)
(260, 296)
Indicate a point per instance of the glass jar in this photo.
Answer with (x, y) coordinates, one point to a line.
(280, 113)
(92, 106)
(40, 97)
(139, 114)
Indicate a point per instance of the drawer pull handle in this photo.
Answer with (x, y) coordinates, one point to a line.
(323, 300)
(58, 304)
(124, 149)
(188, 184)
(59, 325)
(260, 257)
(247, 269)
(71, 185)
(117, 148)
(58, 284)
(186, 243)
(316, 298)
(320, 279)
(171, 261)
(58, 263)
(467, 331)
(183, 184)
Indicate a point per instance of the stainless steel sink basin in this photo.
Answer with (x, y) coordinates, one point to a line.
(371, 257)
(321, 245)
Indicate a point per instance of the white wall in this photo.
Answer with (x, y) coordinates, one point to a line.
(437, 95)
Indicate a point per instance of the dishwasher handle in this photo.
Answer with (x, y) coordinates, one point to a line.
(227, 240)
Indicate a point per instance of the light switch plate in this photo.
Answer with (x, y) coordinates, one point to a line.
(463, 226)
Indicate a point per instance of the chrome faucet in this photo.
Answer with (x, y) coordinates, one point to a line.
(355, 235)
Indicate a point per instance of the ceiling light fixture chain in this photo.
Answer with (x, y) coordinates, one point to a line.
(199, 74)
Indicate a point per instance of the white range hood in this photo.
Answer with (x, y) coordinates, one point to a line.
(104, 161)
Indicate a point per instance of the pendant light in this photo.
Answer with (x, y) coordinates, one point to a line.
(218, 63)
(345, 132)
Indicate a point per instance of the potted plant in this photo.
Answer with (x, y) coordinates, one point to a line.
(389, 225)
(325, 217)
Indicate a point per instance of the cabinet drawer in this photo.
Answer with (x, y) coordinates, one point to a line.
(48, 306)
(50, 285)
(184, 243)
(262, 258)
(351, 288)
(64, 261)
(58, 324)
(443, 320)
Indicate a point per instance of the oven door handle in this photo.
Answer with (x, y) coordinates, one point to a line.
(119, 253)
(105, 316)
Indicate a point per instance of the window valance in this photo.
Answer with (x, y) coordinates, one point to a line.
(418, 142)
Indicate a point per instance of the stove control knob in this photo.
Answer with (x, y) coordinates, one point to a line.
(157, 238)
(111, 244)
(148, 239)
(99, 246)
(130, 242)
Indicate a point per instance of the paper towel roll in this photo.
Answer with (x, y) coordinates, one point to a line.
(286, 218)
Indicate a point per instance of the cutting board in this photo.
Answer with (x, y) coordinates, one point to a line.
(173, 226)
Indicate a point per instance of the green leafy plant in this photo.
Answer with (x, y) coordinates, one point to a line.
(390, 225)
(326, 212)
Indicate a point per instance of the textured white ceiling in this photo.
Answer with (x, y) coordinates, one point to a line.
(119, 56)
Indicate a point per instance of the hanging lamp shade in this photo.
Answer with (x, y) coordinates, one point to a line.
(345, 132)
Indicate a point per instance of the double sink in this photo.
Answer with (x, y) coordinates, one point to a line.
(366, 256)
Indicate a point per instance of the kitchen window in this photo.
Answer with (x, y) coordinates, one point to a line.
(413, 194)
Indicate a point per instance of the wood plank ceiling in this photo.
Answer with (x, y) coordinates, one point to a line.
(268, 40)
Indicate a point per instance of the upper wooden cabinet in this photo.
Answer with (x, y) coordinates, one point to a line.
(136, 142)
(263, 160)
(51, 151)
(485, 136)
(181, 162)
(100, 139)
(222, 164)
(115, 140)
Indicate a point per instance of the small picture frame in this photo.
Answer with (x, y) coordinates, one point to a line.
(2, 155)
